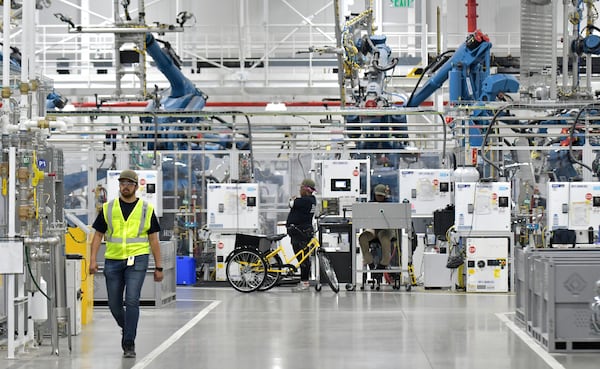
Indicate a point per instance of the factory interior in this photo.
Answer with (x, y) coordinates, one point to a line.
(474, 121)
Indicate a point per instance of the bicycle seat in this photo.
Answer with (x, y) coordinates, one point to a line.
(275, 237)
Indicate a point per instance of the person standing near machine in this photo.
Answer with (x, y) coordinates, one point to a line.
(384, 236)
(300, 225)
(130, 229)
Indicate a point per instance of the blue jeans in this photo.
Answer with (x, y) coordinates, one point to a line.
(129, 279)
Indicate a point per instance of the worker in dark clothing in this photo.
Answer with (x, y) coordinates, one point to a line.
(300, 225)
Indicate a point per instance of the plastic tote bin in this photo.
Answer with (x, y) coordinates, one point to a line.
(186, 270)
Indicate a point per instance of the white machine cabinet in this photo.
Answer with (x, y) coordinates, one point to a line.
(584, 205)
(482, 206)
(341, 178)
(487, 264)
(557, 205)
(224, 244)
(232, 206)
(426, 190)
(340, 186)
(149, 187)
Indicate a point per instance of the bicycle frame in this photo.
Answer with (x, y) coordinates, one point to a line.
(300, 256)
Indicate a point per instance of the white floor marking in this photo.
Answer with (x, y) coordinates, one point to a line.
(174, 337)
(533, 345)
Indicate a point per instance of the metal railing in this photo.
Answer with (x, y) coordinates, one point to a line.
(90, 57)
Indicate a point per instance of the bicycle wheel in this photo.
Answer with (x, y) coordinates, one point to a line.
(328, 271)
(273, 273)
(246, 270)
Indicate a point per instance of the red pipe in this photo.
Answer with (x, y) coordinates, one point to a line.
(471, 15)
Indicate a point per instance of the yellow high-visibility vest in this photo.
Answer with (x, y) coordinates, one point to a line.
(125, 238)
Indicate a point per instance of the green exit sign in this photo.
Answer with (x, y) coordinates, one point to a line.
(402, 3)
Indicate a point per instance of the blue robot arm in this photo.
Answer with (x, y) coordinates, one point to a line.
(180, 85)
(183, 94)
(468, 73)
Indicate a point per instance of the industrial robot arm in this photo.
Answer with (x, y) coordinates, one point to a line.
(180, 84)
(468, 72)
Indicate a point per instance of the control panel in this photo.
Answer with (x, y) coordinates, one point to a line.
(232, 206)
(487, 266)
(427, 190)
(482, 206)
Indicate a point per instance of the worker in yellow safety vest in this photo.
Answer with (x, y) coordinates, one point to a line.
(130, 229)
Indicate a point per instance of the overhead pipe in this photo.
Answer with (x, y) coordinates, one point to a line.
(224, 104)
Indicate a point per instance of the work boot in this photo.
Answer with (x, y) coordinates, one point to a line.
(128, 349)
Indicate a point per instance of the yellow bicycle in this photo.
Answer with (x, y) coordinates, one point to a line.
(249, 269)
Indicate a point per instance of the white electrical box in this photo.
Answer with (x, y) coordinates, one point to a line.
(484, 206)
(224, 245)
(584, 205)
(149, 187)
(487, 264)
(426, 190)
(232, 207)
(341, 178)
(557, 205)
(74, 293)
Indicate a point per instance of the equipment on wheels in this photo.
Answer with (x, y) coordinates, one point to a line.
(249, 269)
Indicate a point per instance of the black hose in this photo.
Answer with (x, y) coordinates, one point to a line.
(445, 128)
(391, 65)
(249, 138)
(425, 70)
(487, 133)
(572, 131)
(31, 274)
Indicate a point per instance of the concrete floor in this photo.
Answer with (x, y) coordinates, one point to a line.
(217, 327)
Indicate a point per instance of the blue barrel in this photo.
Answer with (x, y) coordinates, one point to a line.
(186, 270)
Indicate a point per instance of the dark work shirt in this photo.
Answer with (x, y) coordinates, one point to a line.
(303, 211)
(126, 208)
